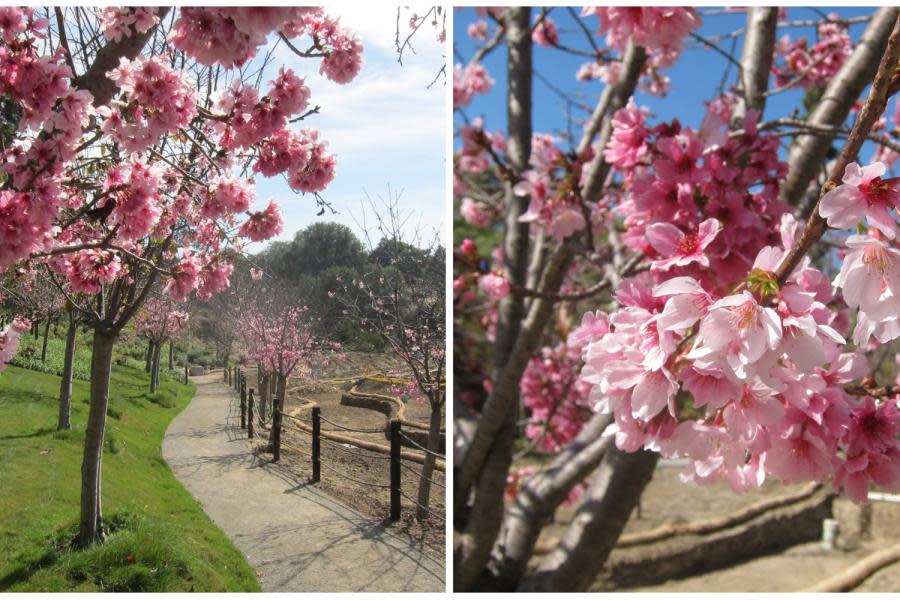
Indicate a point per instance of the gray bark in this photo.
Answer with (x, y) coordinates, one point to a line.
(154, 368)
(539, 498)
(44, 345)
(149, 358)
(434, 442)
(613, 495)
(474, 551)
(65, 387)
(171, 355)
(91, 523)
(756, 59)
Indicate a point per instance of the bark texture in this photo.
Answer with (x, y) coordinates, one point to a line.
(612, 497)
(65, 387)
(91, 524)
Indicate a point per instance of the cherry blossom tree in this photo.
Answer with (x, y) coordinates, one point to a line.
(134, 134)
(278, 333)
(402, 299)
(160, 321)
(665, 290)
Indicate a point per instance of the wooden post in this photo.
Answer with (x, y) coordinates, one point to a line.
(316, 449)
(395, 470)
(250, 414)
(242, 390)
(276, 432)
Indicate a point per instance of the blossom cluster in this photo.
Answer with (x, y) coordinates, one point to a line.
(230, 36)
(118, 23)
(160, 100)
(815, 65)
(659, 30)
(9, 338)
(468, 81)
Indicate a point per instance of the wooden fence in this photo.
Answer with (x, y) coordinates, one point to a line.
(312, 426)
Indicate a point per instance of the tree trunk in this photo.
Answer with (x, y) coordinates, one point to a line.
(65, 386)
(154, 368)
(171, 356)
(586, 544)
(44, 346)
(434, 442)
(538, 500)
(149, 359)
(91, 524)
(277, 404)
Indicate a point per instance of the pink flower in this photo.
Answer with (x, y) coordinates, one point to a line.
(495, 286)
(468, 81)
(478, 30)
(680, 249)
(264, 224)
(475, 213)
(256, 274)
(227, 195)
(687, 303)
(869, 267)
(185, 278)
(545, 33)
(741, 330)
(628, 144)
(863, 194)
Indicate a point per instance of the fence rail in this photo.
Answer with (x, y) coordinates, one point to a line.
(251, 416)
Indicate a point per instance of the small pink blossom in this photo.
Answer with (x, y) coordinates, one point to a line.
(495, 286)
(679, 249)
(864, 194)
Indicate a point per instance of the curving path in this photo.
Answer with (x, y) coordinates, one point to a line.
(296, 537)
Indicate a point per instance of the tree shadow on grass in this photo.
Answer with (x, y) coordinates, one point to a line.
(25, 572)
(37, 433)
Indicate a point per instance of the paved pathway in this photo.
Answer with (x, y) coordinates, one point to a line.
(297, 538)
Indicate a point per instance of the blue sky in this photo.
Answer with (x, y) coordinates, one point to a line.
(385, 127)
(695, 77)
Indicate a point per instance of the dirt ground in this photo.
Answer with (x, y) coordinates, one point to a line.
(667, 500)
(354, 475)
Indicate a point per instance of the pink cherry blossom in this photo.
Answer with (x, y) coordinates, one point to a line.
(870, 267)
(495, 286)
(864, 194)
(679, 249)
(545, 33)
(475, 213)
(264, 224)
(469, 81)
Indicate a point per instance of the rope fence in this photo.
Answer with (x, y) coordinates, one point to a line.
(251, 418)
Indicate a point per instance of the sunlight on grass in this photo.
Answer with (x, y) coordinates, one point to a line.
(160, 539)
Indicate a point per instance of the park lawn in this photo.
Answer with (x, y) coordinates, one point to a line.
(161, 539)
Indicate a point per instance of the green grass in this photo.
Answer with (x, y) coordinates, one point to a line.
(29, 354)
(160, 538)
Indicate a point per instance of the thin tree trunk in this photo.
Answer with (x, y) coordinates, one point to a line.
(65, 386)
(149, 359)
(154, 369)
(595, 528)
(91, 523)
(46, 337)
(539, 498)
(277, 404)
(171, 356)
(434, 442)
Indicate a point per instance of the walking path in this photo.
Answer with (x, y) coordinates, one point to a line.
(295, 536)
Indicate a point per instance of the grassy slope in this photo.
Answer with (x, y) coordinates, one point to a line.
(164, 541)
